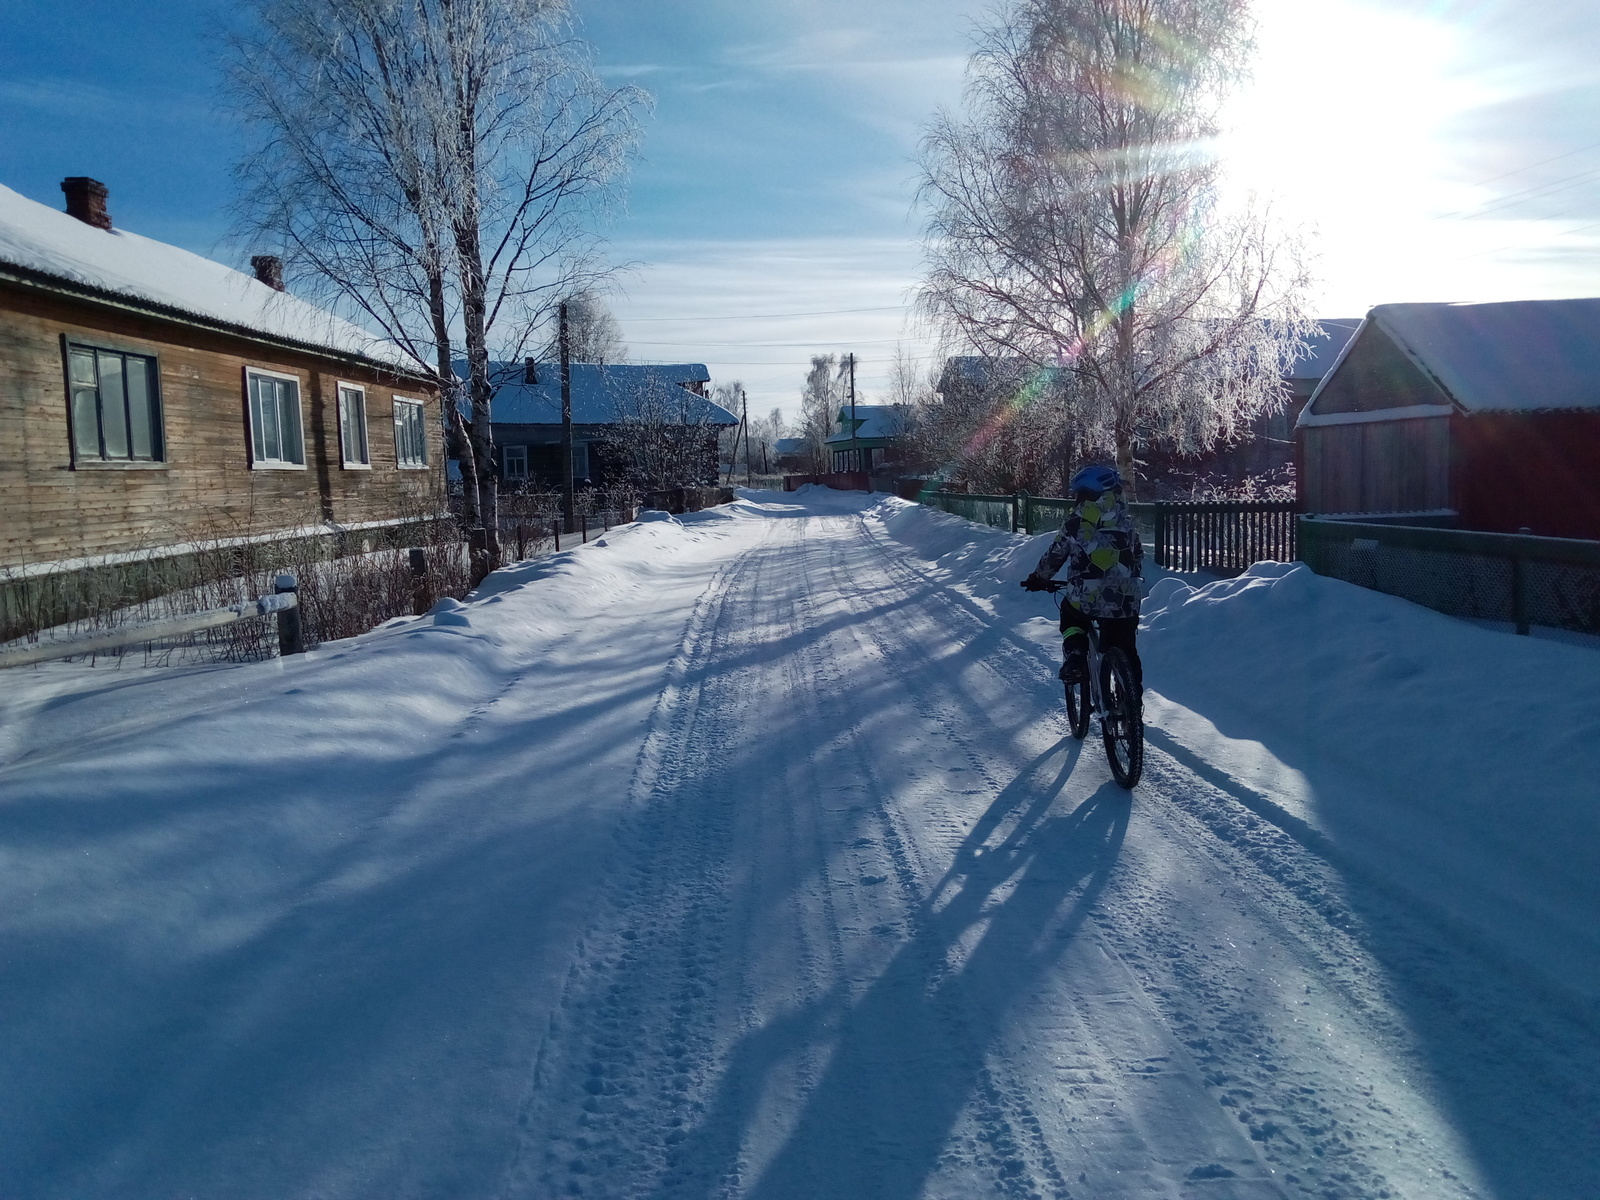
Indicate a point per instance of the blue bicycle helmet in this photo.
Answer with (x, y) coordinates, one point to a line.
(1095, 481)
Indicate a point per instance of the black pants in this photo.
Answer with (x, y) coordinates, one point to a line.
(1122, 632)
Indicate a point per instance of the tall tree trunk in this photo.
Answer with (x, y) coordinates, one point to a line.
(473, 306)
(449, 385)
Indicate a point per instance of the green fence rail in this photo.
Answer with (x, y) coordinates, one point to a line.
(1223, 537)
(1515, 579)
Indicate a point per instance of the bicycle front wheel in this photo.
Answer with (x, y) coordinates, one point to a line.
(1122, 723)
(1078, 707)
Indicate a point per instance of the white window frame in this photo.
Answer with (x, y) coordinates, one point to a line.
(400, 459)
(517, 455)
(349, 462)
(276, 464)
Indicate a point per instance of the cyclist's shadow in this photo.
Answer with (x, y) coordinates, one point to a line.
(908, 1055)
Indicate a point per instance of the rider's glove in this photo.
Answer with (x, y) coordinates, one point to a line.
(1034, 584)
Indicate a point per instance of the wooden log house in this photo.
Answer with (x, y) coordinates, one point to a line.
(151, 399)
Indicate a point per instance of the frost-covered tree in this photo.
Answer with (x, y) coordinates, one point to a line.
(1074, 222)
(819, 409)
(437, 167)
(593, 335)
(660, 438)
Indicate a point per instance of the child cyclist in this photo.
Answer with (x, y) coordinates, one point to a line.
(1105, 573)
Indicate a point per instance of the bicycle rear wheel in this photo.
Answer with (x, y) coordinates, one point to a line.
(1078, 707)
(1122, 723)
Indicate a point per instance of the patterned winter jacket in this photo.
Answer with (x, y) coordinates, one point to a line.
(1104, 555)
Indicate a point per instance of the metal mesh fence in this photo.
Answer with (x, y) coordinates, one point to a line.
(997, 512)
(1551, 585)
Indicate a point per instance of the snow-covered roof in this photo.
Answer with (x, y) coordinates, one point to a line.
(789, 446)
(601, 393)
(872, 421)
(1508, 356)
(127, 267)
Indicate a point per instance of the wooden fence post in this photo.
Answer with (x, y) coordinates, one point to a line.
(1519, 602)
(421, 593)
(478, 546)
(291, 636)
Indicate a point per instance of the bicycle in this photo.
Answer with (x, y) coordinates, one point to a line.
(1112, 695)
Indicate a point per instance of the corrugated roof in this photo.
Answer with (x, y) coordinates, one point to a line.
(601, 393)
(1509, 356)
(129, 267)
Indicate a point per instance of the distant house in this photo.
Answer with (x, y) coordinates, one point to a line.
(1267, 446)
(866, 437)
(1483, 415)
(150, 398)
(791, 454)
(526, 414)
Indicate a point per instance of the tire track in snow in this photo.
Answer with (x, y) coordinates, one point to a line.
(664, 986)
(642, 961)
(1292, 881)
(1016, 664)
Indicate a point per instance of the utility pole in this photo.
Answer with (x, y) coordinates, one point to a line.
(566, 422)
(855, 451)
(745, 419)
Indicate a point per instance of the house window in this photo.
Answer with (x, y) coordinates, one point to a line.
(276, 437)
(580, 460)
(516, 463)
(353, 426)
(410, 441)
(116, 406)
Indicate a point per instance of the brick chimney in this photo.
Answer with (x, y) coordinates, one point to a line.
(86, 200)
(269, 270)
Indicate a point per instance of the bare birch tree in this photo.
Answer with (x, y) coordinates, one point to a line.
(1074, 221)
(434, 167)
(819, 410)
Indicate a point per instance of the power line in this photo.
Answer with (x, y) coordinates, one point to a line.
(1540, 163)
(1537, 192)
(773, 345)
(826, 312)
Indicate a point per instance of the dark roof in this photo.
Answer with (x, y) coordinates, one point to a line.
(601, 392)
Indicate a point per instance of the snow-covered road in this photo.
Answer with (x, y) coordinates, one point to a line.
(749, 856)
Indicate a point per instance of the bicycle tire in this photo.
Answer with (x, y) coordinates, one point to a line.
(1122, 725)
(1078, 706)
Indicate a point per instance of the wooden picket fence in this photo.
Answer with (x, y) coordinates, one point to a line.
(1223, 537)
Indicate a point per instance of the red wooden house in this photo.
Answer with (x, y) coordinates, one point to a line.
(1480, 416)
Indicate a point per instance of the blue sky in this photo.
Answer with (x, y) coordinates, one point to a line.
(1435, 150)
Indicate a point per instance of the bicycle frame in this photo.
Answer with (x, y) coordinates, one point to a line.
(1121, 729)
(1096, 702)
